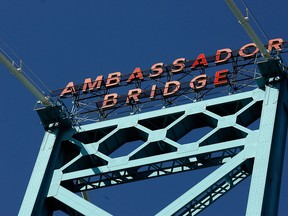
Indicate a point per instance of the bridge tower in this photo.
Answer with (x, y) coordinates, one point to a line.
(73, 160)
(243, 134)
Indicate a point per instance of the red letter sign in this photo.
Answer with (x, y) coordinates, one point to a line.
(244, 55)
(171, 88)
(110, 100)
(198, 82)
(113, 79)
(219, 54)
(201, 60)
(220, 78)
(275, 43)
(137, 74)
(157, 69)
(89, 85)
(70, 89)
(153, 91)
(178, 65)
(133, 95)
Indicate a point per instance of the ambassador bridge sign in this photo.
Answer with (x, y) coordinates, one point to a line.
(183, 80)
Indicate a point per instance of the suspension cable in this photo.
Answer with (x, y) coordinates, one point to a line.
(26, 66)
(248, 11)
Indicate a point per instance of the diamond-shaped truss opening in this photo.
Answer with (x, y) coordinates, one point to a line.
(68, 151)
(250, 117)
(160, 122)
(126, 148)
(254, 125)
(229, 108)
(191, 123)
(120, 138)
(224, 135)
(87, 137)
(85, 162)
(154, 148)
(194, 135)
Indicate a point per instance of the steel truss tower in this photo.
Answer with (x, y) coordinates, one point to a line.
(244, 136)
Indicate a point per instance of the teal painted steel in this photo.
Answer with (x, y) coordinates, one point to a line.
(85, 157)
(202, 195)
(241, 135)
(262, 151)
(35, 194)
(276, 158)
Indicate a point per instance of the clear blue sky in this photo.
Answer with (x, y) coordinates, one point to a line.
(64, 41)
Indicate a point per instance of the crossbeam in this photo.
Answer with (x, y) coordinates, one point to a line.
(236, 137)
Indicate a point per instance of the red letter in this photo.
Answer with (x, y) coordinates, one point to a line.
(244, 55)
(89, 85)
(110, 100)
(201, 60)
(275, 43)
(169, 90)
(198, 82)
(113, 79)
(133, 94)
(157, 69)
(70, 89)
(220, 77)
(153, 90)
(178, 65)
(137, 74)
(227, 53)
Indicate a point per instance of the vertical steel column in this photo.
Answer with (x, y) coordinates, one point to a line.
(35, 193)
(259, 174)
(267, 171)
(275, 167)
(74, 160)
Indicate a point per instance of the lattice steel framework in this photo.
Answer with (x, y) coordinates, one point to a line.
(241, 133)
